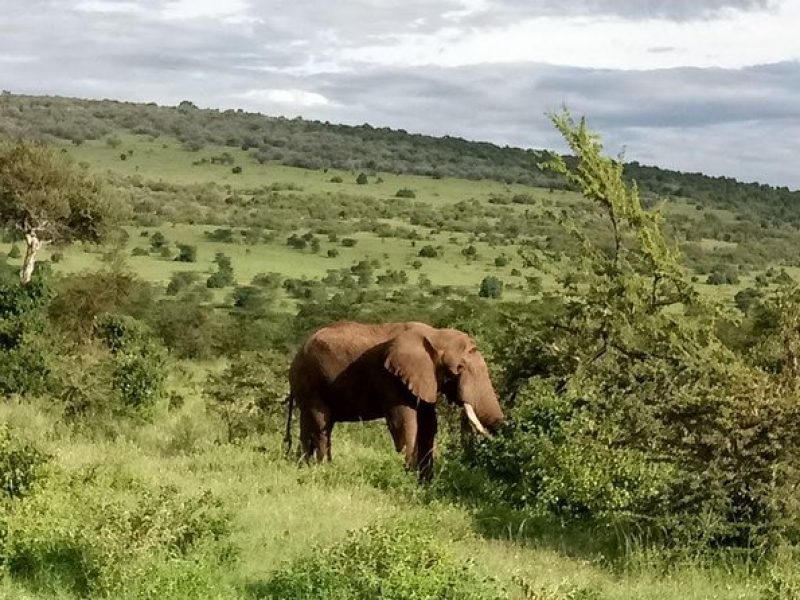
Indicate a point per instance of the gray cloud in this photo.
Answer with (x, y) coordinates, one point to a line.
(744, 123)
(677, 10)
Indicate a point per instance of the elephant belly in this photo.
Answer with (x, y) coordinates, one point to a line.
(347, 408)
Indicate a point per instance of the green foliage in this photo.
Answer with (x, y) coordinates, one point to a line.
(491, 287)
(182, 280)
(362, 179)
(405, 193)
(24, 352)
(92, 536)
(224, 275)
(392, 563)
(336, 179)
(628, 409)
(501, 261)
(139, 363)
(15, 252)
(21, 465)
(428, 251)
(186, 253)
(248, 395)
(349, 242)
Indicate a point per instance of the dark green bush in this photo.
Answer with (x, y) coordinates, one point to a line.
(428, 252)
(405, 193)
(14, 252)
(491, 287)
(362, 179)
(391, 563)
(21, 464)
(186, 253)
(181, 280)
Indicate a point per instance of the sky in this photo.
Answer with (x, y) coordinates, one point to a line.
(695, 85)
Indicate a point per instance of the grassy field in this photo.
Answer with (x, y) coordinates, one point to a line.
(280, 510)
(162, 159)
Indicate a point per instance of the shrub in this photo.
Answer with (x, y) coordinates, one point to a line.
(428, 252)
(14, 252)
(186, 253)
(224, 275)
(57, 257)
(181, 280)
(80, 533)
(392, 563)
(139, 363)
(405, 193)
(140, 252)
(362, 179)
(349, 242)
(630, 412)
(336, 179)
(491, 287)
(236, 170)
(333, 253)
(249, 394)
(21, 464)
(501, 261)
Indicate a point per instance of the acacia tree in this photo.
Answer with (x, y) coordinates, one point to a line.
(47, 198)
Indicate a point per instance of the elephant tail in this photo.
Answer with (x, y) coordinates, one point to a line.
(287, 436)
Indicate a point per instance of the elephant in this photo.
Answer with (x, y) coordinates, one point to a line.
(350, 371)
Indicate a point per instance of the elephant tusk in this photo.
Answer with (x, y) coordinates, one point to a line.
(473, 419)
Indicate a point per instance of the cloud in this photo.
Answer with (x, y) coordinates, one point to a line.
(292, 98)
(711, 85)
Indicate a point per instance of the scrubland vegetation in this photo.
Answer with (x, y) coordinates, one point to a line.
(644, 341)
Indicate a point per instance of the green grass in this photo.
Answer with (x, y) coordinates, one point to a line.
(280, 509)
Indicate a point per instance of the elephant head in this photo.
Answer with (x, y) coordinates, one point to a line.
(432, 361)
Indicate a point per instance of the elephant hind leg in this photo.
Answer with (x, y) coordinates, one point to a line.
(316, 425)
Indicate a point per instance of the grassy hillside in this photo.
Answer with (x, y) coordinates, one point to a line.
(130, 483)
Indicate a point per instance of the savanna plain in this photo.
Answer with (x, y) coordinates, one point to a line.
(642, 327)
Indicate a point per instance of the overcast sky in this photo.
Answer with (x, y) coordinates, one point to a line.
(697, 85)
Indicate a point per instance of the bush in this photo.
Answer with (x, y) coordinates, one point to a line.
(14, 252)
(491, 287)
(186, 253)
(428, 252)
(139, 369)
(333, 253)
(236, 170)
(140, 252)
(501, 261)
(56, 257)
(249, 394)
(391, 563)
(224, 275)
(80, 533)
(181, 280)
(362, 179)
(336, 179)
(405, 193)
(349, 242)
(629, 410)
(21, 465)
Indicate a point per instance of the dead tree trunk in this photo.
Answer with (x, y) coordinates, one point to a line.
(33, 246)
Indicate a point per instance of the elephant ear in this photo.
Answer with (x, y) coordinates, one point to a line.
(412, 357)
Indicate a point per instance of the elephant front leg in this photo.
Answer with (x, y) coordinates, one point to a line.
(427, 427)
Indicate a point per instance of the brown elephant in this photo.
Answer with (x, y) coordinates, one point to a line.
(357, 372)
